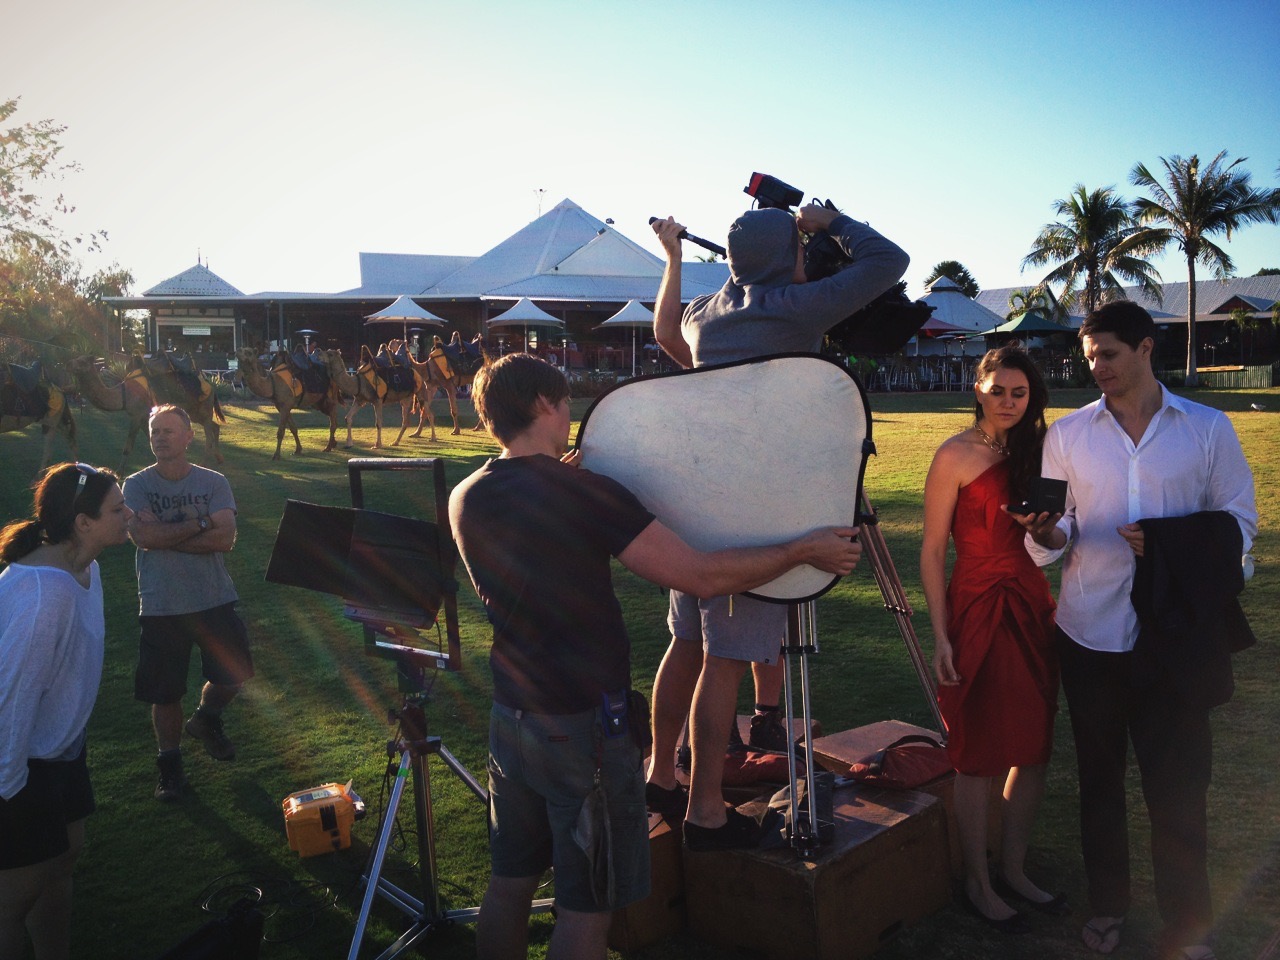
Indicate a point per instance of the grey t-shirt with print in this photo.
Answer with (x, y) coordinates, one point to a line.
(170, 581)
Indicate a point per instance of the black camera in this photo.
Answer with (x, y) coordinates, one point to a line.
(881, 327)
(1045, 496)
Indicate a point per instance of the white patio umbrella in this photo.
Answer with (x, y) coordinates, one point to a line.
(634, 315)
(403, 311)
(524, 314)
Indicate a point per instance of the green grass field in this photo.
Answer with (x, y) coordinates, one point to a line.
(317, 712)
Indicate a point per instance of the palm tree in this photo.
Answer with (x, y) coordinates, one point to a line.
(1192, 205)
(1245, 323)
(957, 273)
(1038, 299)
(1096, 245)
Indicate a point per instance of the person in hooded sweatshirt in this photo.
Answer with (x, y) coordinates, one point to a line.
(766, 307)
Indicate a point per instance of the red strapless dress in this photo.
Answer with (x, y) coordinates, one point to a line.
(1000, 620)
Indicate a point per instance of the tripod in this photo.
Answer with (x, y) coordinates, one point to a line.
(802, 642)
(392, 634)
(413, 748)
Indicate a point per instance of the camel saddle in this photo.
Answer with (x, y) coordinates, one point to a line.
(456, 360)
(22, 394)
(303, 361)
(181, 367)
(402, 379)
(300, 379)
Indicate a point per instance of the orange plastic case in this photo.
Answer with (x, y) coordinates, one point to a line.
(318, 820)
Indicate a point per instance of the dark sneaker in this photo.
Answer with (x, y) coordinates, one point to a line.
(768, 733)
(208, 730)
(740, 832)
(672, 804)
(736, 746)
(172, 781)
(684, 759)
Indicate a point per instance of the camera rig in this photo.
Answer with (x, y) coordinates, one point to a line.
(881, 327)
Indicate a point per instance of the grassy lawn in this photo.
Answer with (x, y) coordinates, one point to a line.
(317, 712)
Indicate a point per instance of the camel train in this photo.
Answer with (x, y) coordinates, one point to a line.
(377, 385)
(26, 398)
(147, 383)
(291, 386)
(393, 375)
(458, 363)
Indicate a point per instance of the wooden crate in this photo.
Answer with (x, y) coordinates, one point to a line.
(839, 751)
(885, 869)
(662, 913)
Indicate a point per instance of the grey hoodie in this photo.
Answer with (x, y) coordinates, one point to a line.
(761, 310)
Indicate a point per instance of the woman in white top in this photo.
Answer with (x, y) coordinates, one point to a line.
(51, 645)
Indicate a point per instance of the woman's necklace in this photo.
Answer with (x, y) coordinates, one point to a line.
(995, 445)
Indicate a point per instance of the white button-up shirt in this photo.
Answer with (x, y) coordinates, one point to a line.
(1188, 460)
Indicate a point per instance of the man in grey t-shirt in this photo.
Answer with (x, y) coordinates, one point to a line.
(185, 520)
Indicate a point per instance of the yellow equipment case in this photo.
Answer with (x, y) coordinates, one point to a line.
(318, 820)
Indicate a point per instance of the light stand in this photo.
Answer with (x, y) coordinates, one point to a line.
(802, 641)
(805, 833)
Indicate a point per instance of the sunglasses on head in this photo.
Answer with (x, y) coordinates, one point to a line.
(86, 471)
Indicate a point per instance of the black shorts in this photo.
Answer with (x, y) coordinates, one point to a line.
(164, 652)
(33, 823)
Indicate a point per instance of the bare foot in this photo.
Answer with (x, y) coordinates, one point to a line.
(1102, 934)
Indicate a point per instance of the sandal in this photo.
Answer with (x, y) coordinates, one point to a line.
(1108, 934)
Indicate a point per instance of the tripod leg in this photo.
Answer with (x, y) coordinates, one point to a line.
(374, 873)
(896, 602)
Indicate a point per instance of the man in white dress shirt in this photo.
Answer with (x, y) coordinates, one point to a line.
(1139, 452)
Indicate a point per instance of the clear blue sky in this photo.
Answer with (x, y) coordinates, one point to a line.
(280, 138)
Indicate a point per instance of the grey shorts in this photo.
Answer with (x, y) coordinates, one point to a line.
(541, 768)
(736, 628)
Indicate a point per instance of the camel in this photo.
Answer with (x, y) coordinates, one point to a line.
(447, 377)
(57, 418)
(142, 389)
(288, 393)
(366, 386)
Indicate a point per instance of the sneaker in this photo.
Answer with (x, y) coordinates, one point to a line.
(208, 730)
(671, 804)
(739, 832)
(684, 759)
(768, 733)
(736, 746)
(171, 782)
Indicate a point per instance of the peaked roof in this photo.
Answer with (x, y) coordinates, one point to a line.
(547, 256)
(197, 281)
(1213, 298)
(952, 307)
(565, 254)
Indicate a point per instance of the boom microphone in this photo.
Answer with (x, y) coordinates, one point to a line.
(704, 244)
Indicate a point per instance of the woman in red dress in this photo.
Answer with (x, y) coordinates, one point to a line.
(993, 629)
